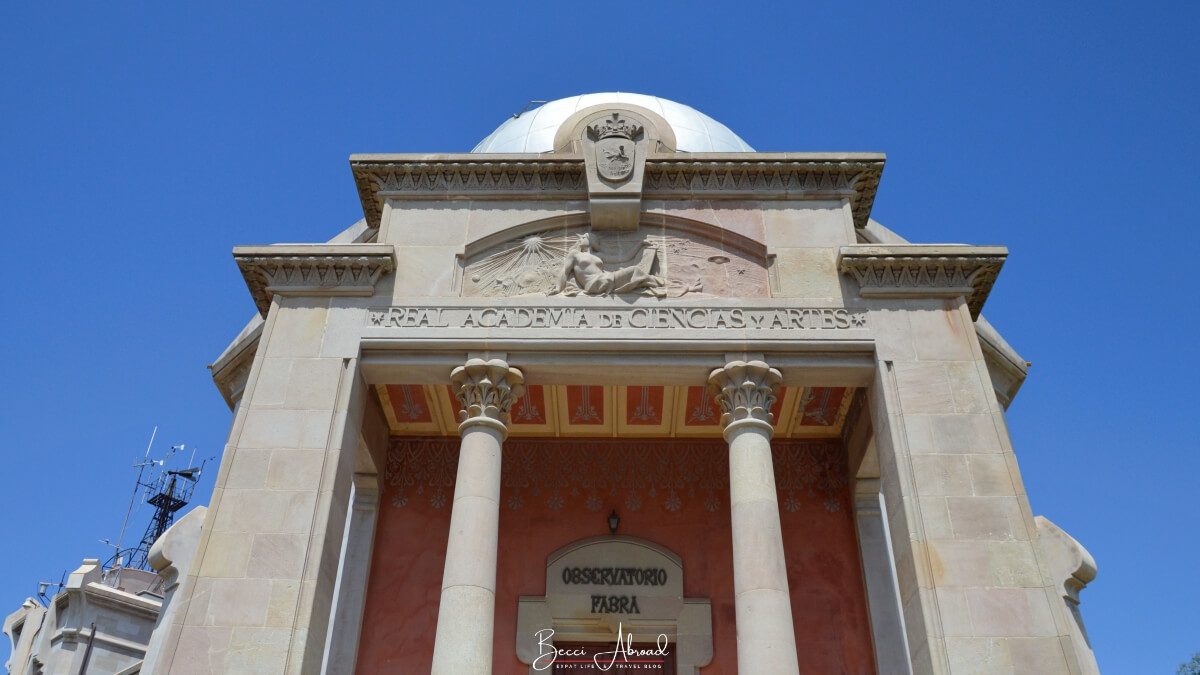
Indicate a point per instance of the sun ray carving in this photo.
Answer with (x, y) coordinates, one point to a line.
(529, 266)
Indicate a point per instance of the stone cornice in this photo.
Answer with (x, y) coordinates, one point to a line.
(667, 176)
(767, 176)
(231, 375)
(924, 271)
(312, 269)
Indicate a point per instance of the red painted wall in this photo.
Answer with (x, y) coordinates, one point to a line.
(674, 493)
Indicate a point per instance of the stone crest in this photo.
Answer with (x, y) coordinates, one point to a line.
(615, 146)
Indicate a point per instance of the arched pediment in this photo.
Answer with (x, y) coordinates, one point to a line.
(668, 257)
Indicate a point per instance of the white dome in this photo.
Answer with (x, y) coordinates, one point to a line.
(534, 130)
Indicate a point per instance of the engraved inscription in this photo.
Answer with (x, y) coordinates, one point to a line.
(667, 318)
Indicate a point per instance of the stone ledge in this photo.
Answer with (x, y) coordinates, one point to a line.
(313, 269)
(924, 271)
(560, 176)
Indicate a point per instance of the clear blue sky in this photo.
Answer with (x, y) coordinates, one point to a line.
(139, 144)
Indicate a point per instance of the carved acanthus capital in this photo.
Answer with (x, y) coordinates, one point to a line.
(921, 271)
(320, 270)
(486, 390)
(745, 391)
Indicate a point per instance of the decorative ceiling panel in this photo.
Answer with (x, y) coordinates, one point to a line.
(622, 411)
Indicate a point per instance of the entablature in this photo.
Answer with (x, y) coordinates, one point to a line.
(312, 269)
(853, 176)
(924, 271)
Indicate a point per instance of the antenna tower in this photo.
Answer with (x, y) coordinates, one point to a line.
(167, 491)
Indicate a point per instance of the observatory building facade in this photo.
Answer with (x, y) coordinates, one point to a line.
(615, 388)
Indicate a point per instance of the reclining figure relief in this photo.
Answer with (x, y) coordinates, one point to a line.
(588, 264)
(585, 267)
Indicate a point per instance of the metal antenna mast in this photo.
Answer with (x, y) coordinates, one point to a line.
(141, 467)
(167, 491)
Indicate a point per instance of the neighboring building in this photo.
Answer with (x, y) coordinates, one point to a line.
(614, 372)
(99, 623)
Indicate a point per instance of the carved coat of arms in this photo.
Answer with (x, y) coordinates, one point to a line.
(615, 144)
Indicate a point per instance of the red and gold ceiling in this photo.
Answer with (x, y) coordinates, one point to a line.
(596, 411)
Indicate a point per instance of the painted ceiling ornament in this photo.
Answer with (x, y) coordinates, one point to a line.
(615, 145)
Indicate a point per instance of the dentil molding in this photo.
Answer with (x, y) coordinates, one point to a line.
(312, 270)
(752, 175)
(924, 271)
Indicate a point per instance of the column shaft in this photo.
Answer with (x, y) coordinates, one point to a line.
(765, 634)
(466, 613)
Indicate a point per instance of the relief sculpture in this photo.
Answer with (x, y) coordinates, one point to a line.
(660, 264)
(611, 136)
(587, 270)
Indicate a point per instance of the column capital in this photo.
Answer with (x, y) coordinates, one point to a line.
(486, 390)
(745, 392)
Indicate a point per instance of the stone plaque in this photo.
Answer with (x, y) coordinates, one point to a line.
(607, 591)
(618, 578)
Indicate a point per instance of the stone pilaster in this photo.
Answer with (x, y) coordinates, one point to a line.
(963, 536)
(962, 533)
(265, 568)
(486, 391)
(261, 585)
(350, 589)
(745, 392)
(879, 577)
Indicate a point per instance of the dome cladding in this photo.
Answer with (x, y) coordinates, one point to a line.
(533, 130)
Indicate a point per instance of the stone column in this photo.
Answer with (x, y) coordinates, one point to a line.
(766, 640)
(486, 391)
